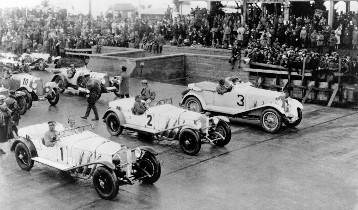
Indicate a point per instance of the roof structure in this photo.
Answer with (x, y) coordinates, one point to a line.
(124, 7)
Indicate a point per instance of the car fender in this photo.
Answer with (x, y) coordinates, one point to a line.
(30, 145)
(295, 103)
(107, 164)
(148, 149)
(122, 119)
(189, 127)
(26, 88)
(260, 108)
(51, 84)
(194, 94)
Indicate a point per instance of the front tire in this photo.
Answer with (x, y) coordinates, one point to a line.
(55, 98)
(106, 183)
(21, 101)
(224, 130)
(298, 121)
(23, 157)
(189, 141)
(271, 120)
(151, 165)
(113, 124)
(193, 104)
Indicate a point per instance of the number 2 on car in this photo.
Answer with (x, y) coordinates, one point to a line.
(149, 121)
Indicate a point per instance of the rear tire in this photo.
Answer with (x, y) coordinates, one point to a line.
(113, 124)
(151, 165)
(23, 157)
(270, 120)
(105, 182)
(189, 141)
(193, 104)
(223, 129)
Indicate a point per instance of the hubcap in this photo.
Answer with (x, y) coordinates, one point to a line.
(193, 106)
(270, 120)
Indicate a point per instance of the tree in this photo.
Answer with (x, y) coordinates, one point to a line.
(109, 15)
(45, 3)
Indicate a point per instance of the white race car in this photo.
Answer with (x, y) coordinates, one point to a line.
(85, 154)
(244, 101)
(165, 120)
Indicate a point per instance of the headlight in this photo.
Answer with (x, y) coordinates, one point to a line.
(137, 152)
(47, 90)
(103, 81)
(116, 159)
(34, 85)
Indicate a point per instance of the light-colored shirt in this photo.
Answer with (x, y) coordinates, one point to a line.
(50, 138)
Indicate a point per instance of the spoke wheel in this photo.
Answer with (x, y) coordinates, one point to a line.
(189, 141)
(224, 130)
(106, 183)
(150, 166)
(113, 124)
(23, 157)
(193, 104)
(271, 120)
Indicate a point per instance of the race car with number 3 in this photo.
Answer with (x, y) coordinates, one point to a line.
(168, 122)
(272, 108)
(84, 154)
(33, 88)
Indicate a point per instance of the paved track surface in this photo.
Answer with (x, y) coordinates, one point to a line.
(313, 166)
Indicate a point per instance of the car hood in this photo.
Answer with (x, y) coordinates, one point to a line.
(21, 76)
(91, 142)
(252, 91)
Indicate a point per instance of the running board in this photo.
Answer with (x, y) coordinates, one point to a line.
(51, 163)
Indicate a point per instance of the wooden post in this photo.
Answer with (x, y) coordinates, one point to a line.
(303, 74)
(331, 13)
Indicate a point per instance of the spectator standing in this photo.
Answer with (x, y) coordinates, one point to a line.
(347, 41)
(313, 38)
(161, 42)
(15, 114)
(332, 41)
(5, 120)
(338, 33)
(124, 83)
(240, 35)
(320, 41)
(303, 36)
(355, 38)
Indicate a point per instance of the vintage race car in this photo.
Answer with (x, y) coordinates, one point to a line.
(245, 101)
(36, 61)
(79, 80)
(10, 56)
(165, 120)
(33, 88)
(85, 154)
(20, 99)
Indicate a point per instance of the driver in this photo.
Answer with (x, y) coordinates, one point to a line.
(51, 136)
(223, 87)
(233, 80)
(138, 108)
(71, 72)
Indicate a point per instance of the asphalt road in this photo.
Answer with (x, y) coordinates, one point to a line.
(311, 167)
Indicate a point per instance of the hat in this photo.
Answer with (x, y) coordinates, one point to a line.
(124, 68)
(144, 81)
(72, 65)
(51, 122)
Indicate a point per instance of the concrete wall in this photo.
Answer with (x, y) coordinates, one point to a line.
(168, 50)
(109, 64)
(212, 68)
(160, 68)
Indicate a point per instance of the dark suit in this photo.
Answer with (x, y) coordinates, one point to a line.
(92, 98)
